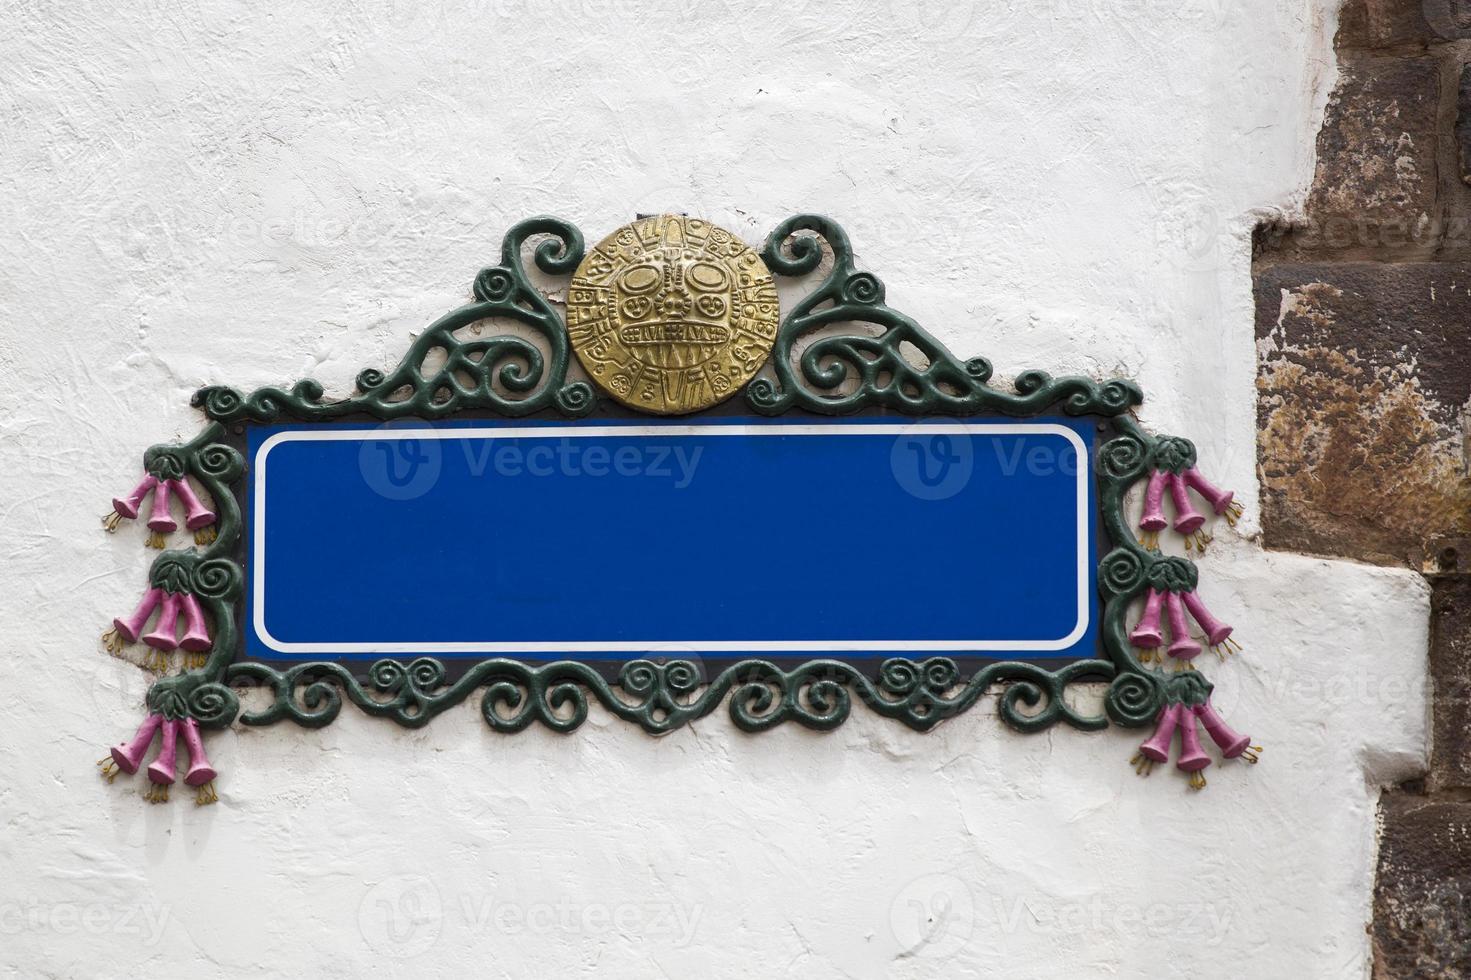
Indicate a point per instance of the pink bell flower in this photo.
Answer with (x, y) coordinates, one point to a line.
(126, 757)
(1192, 757)
(1152, 520)
(129, 629)
(1217, 633)
(201, 774)
(196, 515)
(1222, 501)
(128, 506)
(1182, 647)
(1231, 742)
(1157, 748)
(1147, 635)
(165, 629)
(161, 773)
(1188, 520)
(160, 521)
(196, 634)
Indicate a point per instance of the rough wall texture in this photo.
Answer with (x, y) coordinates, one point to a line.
(1422, 912)
(1365, 381)
(247, 194)
(1422, 903)
(1363, 333)
(1363, 307)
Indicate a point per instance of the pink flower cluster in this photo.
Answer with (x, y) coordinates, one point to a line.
(164, 638)
(1188, 521)
(1181, 717)
(126, 757)
(1148, 635)
(197, 517)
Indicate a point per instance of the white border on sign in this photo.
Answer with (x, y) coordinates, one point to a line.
(667, 431)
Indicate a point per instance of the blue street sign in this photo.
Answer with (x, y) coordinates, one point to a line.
(608, 540)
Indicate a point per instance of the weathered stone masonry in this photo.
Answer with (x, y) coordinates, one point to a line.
(1364, 342)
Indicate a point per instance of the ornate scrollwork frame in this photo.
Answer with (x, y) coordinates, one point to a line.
(836, 373)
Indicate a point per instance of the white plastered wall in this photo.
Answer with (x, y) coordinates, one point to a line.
(216, 192)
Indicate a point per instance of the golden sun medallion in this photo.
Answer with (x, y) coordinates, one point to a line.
(671, 314)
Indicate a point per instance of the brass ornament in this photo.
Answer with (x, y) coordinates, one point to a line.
(671, 314)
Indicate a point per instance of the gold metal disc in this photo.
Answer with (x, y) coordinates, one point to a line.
(671, 314)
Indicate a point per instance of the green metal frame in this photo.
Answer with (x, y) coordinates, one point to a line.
(835, 374)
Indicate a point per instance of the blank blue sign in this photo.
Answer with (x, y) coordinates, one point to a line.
(611, 540)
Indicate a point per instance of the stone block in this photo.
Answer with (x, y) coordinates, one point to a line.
(1364, 385)
(1422, 898)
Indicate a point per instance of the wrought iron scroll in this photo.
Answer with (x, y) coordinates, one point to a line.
(834, 373)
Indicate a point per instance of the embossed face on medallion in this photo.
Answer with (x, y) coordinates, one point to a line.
(672, 314)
